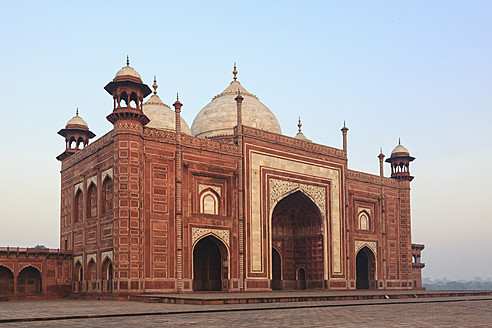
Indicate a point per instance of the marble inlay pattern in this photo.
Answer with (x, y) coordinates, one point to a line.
(372, 245)
(281, 188)
(197, 233)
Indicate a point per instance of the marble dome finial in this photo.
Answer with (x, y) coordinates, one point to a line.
(155, 86)
(77, 112)
(127, 60)
(234, 72)
(299, 125)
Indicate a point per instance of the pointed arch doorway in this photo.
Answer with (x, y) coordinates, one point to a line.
(298, 235)
(365, 263)
(210, 265)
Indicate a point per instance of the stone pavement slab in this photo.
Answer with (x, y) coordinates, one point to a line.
(56, 309)
(457, 313)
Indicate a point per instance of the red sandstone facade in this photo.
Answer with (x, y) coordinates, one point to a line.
(147, 210)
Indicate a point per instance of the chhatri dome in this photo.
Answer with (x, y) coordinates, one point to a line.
(127, 73)
(77, 122)
(400, 151)
(161, 115)
(219, 116)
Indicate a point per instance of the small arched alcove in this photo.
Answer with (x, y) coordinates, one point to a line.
(107, 275)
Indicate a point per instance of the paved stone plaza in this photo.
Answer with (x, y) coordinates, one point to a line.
(442, 312)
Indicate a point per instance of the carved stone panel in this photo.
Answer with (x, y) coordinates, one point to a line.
(282, 188)
(372, 245)
(197, 233)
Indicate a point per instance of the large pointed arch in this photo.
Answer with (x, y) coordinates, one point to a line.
(297, 232)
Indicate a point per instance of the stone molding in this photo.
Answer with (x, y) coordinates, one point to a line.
(293, 142)
(197, 233)
(210, 145)
(89, 150)
(366, 177)
(160, 134)
(372, 245)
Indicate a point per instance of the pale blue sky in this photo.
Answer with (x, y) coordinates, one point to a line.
(411, 69)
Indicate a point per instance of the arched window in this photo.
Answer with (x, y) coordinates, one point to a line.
(79, 207)
(92, 201)
(124, 99)
(209, 202)
(80, 143)
(72, 143)
(107, 195)
(78, 272)
(133, 100)
(363, 221)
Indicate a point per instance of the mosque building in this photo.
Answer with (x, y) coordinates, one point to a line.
(230, 204)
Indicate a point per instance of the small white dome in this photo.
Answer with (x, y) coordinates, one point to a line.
(77, 120)
(161, 116)
(128, 71)
(400, 150)
(219, 116)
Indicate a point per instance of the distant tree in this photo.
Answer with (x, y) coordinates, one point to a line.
(40, 247)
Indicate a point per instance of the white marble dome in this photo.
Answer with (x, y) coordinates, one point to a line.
(161, 116)
(219, 116)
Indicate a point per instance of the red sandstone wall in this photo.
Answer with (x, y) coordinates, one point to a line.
(388, 202)
(49, 275)
(94, 231)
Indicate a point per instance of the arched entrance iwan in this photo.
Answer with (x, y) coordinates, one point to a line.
(298, 236)
(365, 263)
(210, 265)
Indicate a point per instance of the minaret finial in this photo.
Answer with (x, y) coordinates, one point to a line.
(155, 86)
(299, 124)
(127, 60)
(344, 123)
(234, 72)
(399, 143)
(177, 96)
(77, 112)
(381, 150)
